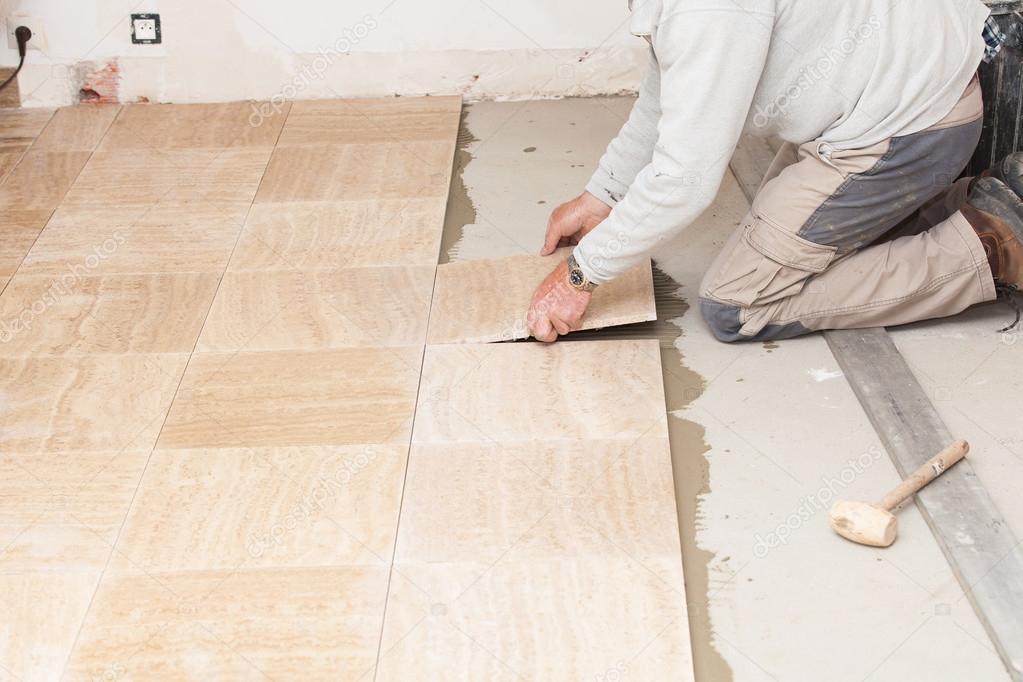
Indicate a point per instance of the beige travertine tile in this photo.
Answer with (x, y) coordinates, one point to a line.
(116, 176)
(487, 300)
(219, 509)
(41, 179)
(133, 249)
(195, 126)
(566, 619)
(42, 611)
(8, 160)
(217, 205)
(325, 397)
(18, 231)
(341, 234)
(76, 313)
(101, 402)
(76, 128)
(163, 187)
(571, 497)
(62, 510)
(402, 119)
(508, 393)
(235, 625)
(285, 310)
(358, 171)
(19, 127)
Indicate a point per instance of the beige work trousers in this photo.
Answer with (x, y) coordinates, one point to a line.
(855, 238)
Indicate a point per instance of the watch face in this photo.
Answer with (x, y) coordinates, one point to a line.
(576, 278)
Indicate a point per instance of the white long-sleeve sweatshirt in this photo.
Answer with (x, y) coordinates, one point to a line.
(848, 73)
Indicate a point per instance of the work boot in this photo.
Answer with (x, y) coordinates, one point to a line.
(996, 214)
(1010, 171)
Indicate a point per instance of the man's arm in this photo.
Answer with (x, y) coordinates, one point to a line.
(633, 148)
(625, 157)
(711, 61)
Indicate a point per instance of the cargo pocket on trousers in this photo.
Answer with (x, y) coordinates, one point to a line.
(767, 264)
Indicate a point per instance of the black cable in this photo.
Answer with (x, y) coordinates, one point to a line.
(22, 34)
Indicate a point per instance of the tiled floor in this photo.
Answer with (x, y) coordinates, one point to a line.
(219, 458)
(206, 417)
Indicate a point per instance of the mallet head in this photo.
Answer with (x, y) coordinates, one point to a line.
(864, 523)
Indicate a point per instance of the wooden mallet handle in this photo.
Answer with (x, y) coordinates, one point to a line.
(934, 467)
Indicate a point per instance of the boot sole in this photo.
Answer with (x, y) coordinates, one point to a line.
(995, 197)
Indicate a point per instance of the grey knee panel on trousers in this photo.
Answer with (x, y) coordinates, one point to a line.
(725, 322)
(914, 169)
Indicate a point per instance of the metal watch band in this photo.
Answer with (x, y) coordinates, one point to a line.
(576, 277)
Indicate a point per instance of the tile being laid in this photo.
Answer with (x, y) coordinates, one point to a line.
(483, 301)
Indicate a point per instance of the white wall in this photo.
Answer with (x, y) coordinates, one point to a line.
(221, 50)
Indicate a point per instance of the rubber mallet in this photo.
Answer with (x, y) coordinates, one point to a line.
(875, 524)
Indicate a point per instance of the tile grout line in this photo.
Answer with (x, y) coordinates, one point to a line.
(54, 209)
(166, 416)
(110, 554)
(17, 163)
(415, 413)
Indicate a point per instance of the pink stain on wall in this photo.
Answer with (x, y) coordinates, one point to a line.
(100, 85)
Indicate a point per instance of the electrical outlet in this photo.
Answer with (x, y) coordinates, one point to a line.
(38, 41)
(145, 29)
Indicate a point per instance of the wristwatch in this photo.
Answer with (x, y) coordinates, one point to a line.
(576, 277)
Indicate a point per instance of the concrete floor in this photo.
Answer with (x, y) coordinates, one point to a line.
(765, 435)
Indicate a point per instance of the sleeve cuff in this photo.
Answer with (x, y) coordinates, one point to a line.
(593, 266)
(606, 188)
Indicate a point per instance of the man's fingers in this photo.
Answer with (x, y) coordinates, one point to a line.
(550, 242)
(543, 330)
(561, 327)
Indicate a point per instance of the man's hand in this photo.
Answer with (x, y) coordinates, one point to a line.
(573, 220)
(557, 307)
